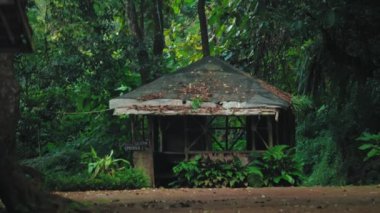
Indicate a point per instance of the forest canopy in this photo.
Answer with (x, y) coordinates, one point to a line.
(325, 53)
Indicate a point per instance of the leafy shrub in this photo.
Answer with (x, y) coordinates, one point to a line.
(62, 160)
(240, 145)
(106, 165)
(371, 145)
(205, 172)
(275, 167)
(322, 160)
(278, 166)
(301, 104)
(124, 179)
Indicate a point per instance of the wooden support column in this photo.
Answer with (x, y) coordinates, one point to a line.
(208, 139)
(186, 131)
(154, 133)
(160, 139)
(248, 123)
(253, 128)
(277, 127)
(133, 123)
(144, 159)
(227, 132)
(270, 131)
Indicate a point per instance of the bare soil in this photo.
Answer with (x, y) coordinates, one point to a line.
(364, 199)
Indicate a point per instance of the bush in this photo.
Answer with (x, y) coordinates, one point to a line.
(275, 167)
(62, 160)
(322, 160)
(125, 179)
(65, 172)
(103, 165)
(204, 172)
(371, 145)
(278, 166)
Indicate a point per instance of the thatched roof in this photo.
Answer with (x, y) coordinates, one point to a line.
(15, 33)
(219, 89)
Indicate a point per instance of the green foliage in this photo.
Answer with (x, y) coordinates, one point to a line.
(196, 103)
(85, 54)
(103, 165)
(71, 73)
(122, 179)
(279, 167)
(240, 145)
(275, 167)
(322, 161)
(326, 139)
(301, 105)
(255, 176)
(64, 170)
(62, 160)
(371, 145)
(207, 173)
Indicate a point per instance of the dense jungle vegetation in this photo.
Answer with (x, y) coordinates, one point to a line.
(325, 53)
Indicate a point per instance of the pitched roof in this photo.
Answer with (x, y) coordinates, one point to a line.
(218, 86)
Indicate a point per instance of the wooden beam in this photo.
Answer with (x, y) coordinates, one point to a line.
(249, 134)
(277, 127)
(133, 124)
(253, 126)
(176, 107)
(270, 131)
(154, 132)
(186, 138)
(160, 141)
(227, 132)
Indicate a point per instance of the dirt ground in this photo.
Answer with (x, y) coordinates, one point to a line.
(362, 199)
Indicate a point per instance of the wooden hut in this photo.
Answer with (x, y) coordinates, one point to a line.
(208, 108)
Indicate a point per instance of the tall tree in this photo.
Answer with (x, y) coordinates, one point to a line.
(203, 27)
(136, 16)
(19, 185)
(18, 193)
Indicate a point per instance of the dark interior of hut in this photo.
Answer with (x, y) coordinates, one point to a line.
(177, 138)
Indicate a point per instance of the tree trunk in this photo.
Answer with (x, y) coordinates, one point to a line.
(159, 40)
(18, 192)
(136, 23)
(203, 26)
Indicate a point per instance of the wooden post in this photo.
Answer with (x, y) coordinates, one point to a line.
(160, 140)
(144, 159)
(227, 132)
(143, 127)
(155, 133)
(133, 134)
(270, 131)
(253, 129)
(249, 133)
(277, 126)
(186, 150)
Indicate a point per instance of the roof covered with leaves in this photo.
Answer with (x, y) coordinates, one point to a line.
(211, 83)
